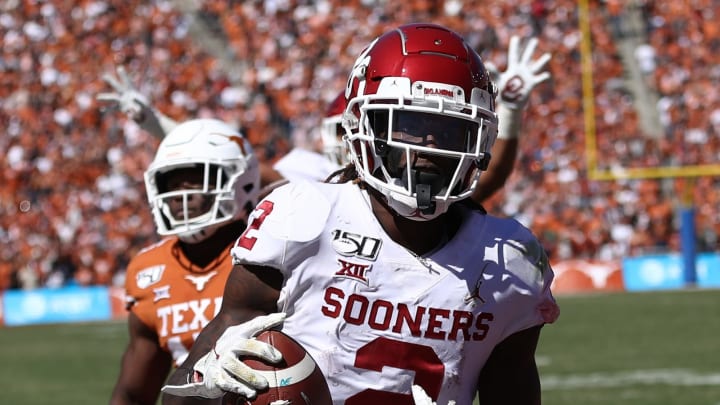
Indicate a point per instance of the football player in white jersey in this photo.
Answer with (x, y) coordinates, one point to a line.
(390, 276)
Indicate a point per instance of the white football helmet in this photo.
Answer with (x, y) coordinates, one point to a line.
(331, 132)
(227, 173)
(420, 94)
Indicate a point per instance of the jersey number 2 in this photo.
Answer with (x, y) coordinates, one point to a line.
(429, 369)
(265, 208)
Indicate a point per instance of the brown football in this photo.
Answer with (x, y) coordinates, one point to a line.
(297, 379)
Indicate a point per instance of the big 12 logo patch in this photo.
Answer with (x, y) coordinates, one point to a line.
(353, 244)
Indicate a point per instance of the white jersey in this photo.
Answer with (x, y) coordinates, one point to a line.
(376, 317)
(301, 164)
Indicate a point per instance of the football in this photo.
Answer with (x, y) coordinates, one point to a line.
(296, 380)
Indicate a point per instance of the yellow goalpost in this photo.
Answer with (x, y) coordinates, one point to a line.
(594, 172)
(686, 211)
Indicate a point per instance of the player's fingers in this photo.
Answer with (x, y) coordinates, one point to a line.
(122, 74)
(181, 390)
(529, 50)
(513, 54)
(235, 372)
(540, 62)
(107, 97)
(237, 388)
(109, 79)
(541, 77)
(256, 348)
(264, 322)
(252, 327)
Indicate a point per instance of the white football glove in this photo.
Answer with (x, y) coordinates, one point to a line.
(522, 74)
(222, 371)
(422, 398)
(515, 84)
(128, 98)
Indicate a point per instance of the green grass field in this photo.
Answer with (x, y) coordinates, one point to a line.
(642, 348)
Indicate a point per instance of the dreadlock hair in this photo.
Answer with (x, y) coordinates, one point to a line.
(344, 175)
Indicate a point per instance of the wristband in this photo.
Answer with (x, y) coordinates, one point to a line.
(509, 122)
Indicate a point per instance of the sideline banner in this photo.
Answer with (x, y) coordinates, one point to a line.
(117, 302)
(45, 305)
(639, 273)
(666, 272)
(654, 272)
(708, 270)
(582, 276)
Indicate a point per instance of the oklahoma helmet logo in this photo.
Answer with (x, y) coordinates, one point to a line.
(439, 92)
(350, 244)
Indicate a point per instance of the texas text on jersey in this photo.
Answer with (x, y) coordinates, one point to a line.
(173, 297)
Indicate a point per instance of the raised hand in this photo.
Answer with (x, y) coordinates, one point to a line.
(128, 98)
(522, 73)
(135, 104)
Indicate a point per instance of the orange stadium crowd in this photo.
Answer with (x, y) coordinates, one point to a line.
(72, 202)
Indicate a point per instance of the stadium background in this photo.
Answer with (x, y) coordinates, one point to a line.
(617, 148)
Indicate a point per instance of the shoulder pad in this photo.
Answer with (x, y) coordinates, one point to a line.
(517, 249)
(300, 164)
(295, 212)
(283, 226)
(156, 245)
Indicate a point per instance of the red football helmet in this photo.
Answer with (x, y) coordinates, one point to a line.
(331, 131)
(420, 119)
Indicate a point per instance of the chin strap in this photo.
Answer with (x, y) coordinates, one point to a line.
(423, 193)
(426, 185)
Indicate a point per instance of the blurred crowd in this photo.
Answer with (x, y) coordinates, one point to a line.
(72, 203)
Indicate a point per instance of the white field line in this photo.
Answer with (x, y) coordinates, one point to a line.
(675, 377)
